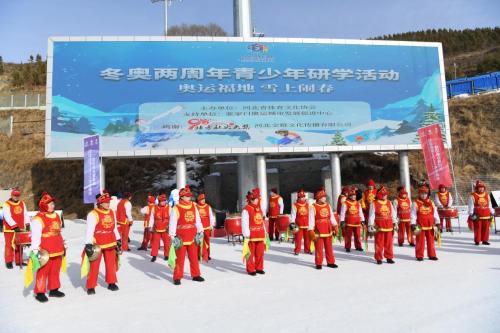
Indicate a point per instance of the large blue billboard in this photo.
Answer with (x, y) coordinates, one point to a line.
(172, 96)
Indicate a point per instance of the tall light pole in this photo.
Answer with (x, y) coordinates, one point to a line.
(167, 4)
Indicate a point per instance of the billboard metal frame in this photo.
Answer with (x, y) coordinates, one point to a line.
(144, 153)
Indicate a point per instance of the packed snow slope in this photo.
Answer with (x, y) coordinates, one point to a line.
(458, 293)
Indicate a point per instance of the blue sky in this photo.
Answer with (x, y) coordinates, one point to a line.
(25, 25)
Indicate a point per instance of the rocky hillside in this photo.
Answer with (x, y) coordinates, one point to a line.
(474, 124)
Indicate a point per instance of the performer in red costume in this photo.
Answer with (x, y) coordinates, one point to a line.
(147, 211)
(275, 208)
(159, 228)
(480, 213)
(124, 219)
(300, 215)
(15, 219)
(443, 199)
(382, 218)
(342, 197)
(352, 216)
(323, 224)
(424, 216)
(402, 206)
(207, 220)
(253, 228)
(102, 230)
(185, 223)
(46, 235)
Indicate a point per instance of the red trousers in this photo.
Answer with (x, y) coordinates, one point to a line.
(326, 244)
(404, 228)
(194, 265)
(124, 230)
(273, 228)
(9, 251)
(206, 241)
(51, 272)
(481, 230)
(111, 264)
(383, 245)
(146, 240)
(423, 237)
(155, 243)
(348, 233)
(302, 233)
(448, 223)
(256, 259)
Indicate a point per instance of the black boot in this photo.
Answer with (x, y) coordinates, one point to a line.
(260, 272)
(142, 248)
(319, 267)
(9, 265)
(177, 282)
(400, 245)
(209, 258)
(91, 291)
(379, 262)
(486, 243)
(359, 249)
(332, 265)
(166, 258)
(433, 258)
(252, 273)
(153, 258)
(420, 259)
(56, 293)
(390, 261)
(198, 279)
(41, 298)
(477, 243)
(412, 245)
(347, 250)
(113, 287)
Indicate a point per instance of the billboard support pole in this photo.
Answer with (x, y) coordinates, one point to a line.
(242, 13)
(262, 179)
(102, 176)
(180, 166)
(404, 171)
(335, 178)
(242, 16)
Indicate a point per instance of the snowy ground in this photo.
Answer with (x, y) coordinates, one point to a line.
(458, 293)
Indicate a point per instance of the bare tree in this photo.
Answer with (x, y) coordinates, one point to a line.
(210, 30)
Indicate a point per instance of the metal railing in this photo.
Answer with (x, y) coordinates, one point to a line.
(465, 185)
(473, 85)
(22, 101)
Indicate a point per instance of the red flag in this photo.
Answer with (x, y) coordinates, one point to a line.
(435, 158)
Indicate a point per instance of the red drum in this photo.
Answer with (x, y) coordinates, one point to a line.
(23, 238)
(233, 226)
(283, 223)
(448, 212)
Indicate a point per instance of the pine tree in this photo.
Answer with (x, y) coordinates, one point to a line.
(432, 117)
(338, 140)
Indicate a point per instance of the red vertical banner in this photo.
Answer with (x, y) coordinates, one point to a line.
(435, 158)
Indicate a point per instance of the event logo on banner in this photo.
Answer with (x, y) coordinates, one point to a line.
(435, 158)
(91, 170)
